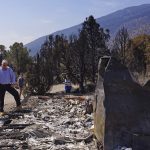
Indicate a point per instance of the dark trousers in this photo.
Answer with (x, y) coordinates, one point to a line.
(12, 91)
(68, 88)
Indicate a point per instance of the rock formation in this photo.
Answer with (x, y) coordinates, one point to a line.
(122, 114)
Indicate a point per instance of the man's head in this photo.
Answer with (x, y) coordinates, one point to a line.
(4, 64)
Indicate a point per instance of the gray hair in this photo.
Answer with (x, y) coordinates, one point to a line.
(4, 61)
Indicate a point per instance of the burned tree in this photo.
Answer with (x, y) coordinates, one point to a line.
(121, 45)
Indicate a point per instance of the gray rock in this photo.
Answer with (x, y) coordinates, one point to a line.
(121, 107)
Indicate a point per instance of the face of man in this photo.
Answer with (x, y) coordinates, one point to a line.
(4, 65)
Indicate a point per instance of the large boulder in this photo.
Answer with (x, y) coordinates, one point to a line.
(121, 109)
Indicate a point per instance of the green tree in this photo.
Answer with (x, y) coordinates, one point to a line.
(78, 63)
(96, 42)
(19, 57)
(76, 56)
(38, 76)
(2, 52)
(41, 72)
(80, 54)
(68, 59)
(60, 55)
(83, 52)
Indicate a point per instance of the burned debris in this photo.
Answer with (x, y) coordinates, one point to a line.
(55, 122)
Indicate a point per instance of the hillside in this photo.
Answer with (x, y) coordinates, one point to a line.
(136, 19)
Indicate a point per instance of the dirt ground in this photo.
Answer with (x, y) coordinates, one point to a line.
(10, 102)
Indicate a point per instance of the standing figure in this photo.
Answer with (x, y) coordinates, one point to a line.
(20, 84)
(7, 82)
(67, 85)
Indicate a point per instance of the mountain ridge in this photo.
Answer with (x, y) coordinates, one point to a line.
(135, 18)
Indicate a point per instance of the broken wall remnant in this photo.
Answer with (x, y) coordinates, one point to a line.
(98, 108)
(121, 109)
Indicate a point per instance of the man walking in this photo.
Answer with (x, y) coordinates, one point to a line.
(7, 81)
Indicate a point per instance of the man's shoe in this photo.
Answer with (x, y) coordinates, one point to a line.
(18, 108)
(2, 114)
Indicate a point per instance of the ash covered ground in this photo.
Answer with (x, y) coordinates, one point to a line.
(54, 122)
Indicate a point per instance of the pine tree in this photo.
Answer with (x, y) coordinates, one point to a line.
(19, 57)
(96, 44)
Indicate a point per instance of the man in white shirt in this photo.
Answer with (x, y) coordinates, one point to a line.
(7, 81)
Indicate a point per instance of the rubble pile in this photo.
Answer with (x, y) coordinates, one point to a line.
(55, 123)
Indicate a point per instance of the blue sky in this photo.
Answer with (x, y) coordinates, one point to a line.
(26, 20)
